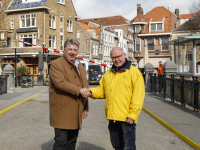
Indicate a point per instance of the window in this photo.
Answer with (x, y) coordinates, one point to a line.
(61, 43)
(61, 2)
(52, 41)
(106, 38)
(34, 70)
(61, 34)
(2, 36)
(137, 44)
(8, 41)
(61, 21)
(30, 38)
(165, 47)
(153, 27)
(11, 24)
(52, 21)
(28, 20)
(159, 26)
(93, 49)
(69, 26)
(150, 44)
(137, 28)
(156, 26)
(78, 35)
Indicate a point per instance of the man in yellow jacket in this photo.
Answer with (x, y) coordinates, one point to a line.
(123, 88)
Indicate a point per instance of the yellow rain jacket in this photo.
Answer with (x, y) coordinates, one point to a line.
(124, 93)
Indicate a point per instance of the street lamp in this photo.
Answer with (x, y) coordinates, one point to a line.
(138, 57)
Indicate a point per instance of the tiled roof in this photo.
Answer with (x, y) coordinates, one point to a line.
(17, 4)
(87, 27)
(107, 21)
(156, 15)
(139, 18)
(186, 16)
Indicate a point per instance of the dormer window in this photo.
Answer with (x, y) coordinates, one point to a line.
(61, 2)
(30, 1)
(156, 27)
(137, 28)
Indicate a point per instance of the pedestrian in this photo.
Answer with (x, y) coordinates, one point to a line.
(160, 68)
(67, 105)
(123, 88)
(155, 72)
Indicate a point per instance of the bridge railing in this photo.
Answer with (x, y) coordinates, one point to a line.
(182, 89)
(3, 84)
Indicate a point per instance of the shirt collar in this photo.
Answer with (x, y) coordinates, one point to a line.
(76, 62)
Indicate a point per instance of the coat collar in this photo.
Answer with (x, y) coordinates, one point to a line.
(122, 68)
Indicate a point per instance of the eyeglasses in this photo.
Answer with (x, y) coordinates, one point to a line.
(118, 57)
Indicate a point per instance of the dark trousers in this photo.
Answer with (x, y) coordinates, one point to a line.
(65, 139)
(122, 135)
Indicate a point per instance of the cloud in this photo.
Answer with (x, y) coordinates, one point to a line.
(125, 8)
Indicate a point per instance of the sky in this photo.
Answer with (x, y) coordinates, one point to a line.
(126, 8)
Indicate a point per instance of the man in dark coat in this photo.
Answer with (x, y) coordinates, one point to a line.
(67, 105)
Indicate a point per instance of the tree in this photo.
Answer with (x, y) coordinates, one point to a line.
(194, 22)
(195, 7)
(22, 70)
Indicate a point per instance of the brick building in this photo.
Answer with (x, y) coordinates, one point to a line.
(40, 22)
(151, 30)
(123, 30)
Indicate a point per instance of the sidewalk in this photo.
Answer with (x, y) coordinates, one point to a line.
(18, 95)
(181, 118)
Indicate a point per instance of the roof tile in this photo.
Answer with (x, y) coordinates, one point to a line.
(17, 4)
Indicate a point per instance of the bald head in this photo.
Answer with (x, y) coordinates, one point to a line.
(116, 49)
(118, 56)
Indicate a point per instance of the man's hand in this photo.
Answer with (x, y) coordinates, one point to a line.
(129, 121)
(85, 92)
(84, 114)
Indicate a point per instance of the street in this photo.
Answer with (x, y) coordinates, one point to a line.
(26, 127)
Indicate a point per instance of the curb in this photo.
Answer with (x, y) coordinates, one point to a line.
(183, 137)
(15, 105)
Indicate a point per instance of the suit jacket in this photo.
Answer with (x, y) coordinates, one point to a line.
(66, 104)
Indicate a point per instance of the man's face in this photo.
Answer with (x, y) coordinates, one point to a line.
(71, 52)
(118, 57)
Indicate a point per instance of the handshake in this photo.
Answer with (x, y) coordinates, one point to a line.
(85, 92)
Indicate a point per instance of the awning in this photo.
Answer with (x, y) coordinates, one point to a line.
(183, 39)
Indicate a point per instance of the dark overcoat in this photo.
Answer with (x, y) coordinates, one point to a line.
(66, 104)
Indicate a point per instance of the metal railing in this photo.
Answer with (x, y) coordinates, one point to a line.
(37, 80)
(3, 84)
(182, 89)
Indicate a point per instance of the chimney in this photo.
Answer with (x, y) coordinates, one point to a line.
(169, 7)
(177, 12)
(139, 9)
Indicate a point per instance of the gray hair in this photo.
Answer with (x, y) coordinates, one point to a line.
(71, 41)
(116, 47)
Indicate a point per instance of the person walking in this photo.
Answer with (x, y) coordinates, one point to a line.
(123, 88)
(67, 105)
